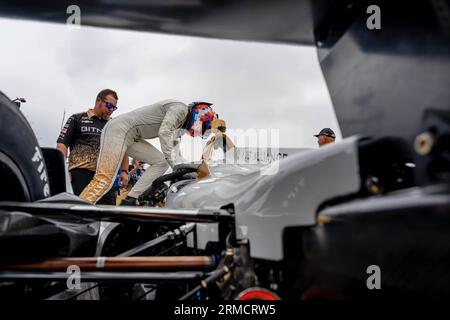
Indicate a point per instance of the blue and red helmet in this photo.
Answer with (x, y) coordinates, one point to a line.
(200, 117)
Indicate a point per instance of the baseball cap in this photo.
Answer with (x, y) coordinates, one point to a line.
(326, 132)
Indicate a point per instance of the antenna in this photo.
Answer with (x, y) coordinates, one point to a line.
(64, 115)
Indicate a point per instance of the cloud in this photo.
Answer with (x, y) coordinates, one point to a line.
(252, 85)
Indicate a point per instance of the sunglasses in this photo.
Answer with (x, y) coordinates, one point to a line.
(109, 105)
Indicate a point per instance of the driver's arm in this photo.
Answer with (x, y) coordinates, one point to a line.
(174, 119)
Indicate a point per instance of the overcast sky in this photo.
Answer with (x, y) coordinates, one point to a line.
(252, 85)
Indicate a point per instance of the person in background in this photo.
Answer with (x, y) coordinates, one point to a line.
(325, 136)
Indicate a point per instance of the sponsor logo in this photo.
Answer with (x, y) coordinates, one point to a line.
(37, 158)
(85, 129)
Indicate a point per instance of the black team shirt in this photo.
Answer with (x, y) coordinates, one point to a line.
(81, 134)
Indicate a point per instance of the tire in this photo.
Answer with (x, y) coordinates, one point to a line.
(22, 166)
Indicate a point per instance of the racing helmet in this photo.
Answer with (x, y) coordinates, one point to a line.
(200, 117)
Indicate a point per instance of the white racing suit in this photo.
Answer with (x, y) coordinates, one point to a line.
(126, 134)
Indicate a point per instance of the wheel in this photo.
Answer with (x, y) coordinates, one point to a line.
(22, 166)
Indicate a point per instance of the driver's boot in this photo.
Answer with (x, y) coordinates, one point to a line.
(129, 201)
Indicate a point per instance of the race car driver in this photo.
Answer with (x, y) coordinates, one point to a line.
(127, 133)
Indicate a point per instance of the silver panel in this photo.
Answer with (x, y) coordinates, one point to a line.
(266, 204)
